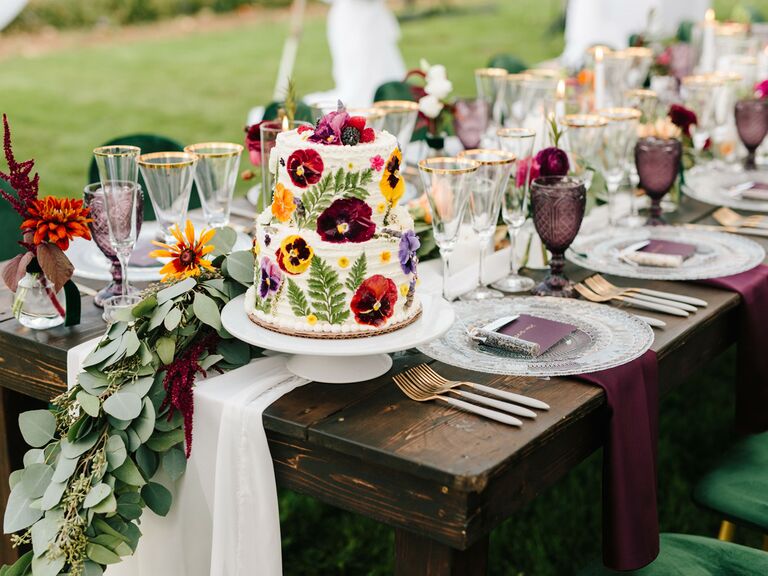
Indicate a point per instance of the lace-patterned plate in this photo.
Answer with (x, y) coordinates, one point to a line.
(711, 186)
(605, 337)
(717, 254)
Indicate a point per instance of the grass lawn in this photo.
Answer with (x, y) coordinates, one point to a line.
(199, 86)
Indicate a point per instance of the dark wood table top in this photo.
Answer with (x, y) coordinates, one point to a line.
(421, 467)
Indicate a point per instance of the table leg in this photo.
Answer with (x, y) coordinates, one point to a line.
(420, 556)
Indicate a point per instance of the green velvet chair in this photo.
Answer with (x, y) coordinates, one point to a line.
(303, 112)
(737, 488)
(398, 90)
(10, 221)
(510, 63)
(683, 555)
(148, 143)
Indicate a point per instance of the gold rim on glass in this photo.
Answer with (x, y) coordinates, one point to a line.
(733, 77)
(475, 153)
(184, 160)
(370, 113)
(431, 165)
(117, 150)
(638, 52)
(543, 73)
(584, 121)
(702, 80)
(495, 72)
(396, 105)
(620, 114)
(216, 149)
(593, 49)
(641, 93)
(516, 133)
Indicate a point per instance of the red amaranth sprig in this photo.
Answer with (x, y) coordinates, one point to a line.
(18, 176)
(180, 379)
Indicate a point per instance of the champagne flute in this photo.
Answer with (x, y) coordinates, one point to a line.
(169, 177)
(215, 176)
(446, 184)
(619, 132)
(700, 93)
(582, 140)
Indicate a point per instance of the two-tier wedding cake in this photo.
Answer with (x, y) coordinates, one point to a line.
(335, 254)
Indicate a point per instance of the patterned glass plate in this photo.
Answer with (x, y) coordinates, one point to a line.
(717, 254)
(605, 337)
(711, 186)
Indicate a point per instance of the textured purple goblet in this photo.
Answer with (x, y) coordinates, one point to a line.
(470, 121)
(93, 198)
(558, 204)
(658, 163)
(752, 124)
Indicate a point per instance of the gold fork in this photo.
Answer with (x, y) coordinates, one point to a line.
(422, 392)
(728, 217)
(601, 286)
(427, 372)
(588, 294)
(659, 294)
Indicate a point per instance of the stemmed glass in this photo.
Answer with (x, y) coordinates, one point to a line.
(490, 87)
(619, 132)
(513, 111)
(700, 94)
(169, 177)
(446, 183)
(374, 117)
(470, 121)
(399, 120)
(641, 59)
(487, 187)
(558, 204)
(215, 176)
(617, 70)
(514, 205)
(582, 139)
(658, 164)
(119, 175)
(752, 124)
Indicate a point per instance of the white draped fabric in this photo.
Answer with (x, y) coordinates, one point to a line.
(224, 520)
(9, 9)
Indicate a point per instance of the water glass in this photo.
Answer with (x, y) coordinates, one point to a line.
(470, 121)
(216, 176)
(487, 187)
(269, 133)
(490, 87)
(399, 120)
(512, 110)
(446, 183)
(582, 140)
(122, 203)
(117, 163)
(752, 124)
(169, 177)
(700, 94)
(374, 117)
(619, 134)
(658, 164)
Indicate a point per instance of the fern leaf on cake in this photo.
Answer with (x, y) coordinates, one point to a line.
(297, 299)
(326, 292)
(357, 273)
(355, 184)
(315, 200)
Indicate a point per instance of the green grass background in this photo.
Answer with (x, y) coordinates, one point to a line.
(200, 87)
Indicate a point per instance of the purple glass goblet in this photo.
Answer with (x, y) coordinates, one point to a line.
(470, 121)
(658, 163)
(752, 124)
(93, 198)
(558, 204)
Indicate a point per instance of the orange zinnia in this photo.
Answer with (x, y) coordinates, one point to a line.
(57, 220)
(283, 203)
(186, 255)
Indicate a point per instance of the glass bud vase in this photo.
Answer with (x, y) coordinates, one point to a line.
(35, 304)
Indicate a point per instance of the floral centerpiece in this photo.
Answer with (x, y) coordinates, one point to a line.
(42, 270)
(432, 92)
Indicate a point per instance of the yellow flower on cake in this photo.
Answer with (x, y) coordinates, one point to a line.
(187, 255)
(343, 262)
(386, 256)
(404, 288)
(381, 207)
(311, 319)
(294, 255)
(283, 204)
(392, 184)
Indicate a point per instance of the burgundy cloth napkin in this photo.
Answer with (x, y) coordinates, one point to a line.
(630, 517)
(752, 378)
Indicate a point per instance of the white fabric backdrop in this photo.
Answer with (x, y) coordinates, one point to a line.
(9, 9)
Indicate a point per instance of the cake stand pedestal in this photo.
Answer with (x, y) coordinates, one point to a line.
(344, 360)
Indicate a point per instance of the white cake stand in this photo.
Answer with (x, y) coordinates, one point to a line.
(341, 361)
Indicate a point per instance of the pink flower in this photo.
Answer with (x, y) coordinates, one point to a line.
(253, 142)
(761, 89)
(377, 163)
(527, 166)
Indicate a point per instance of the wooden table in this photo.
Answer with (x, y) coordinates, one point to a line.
(443, 479)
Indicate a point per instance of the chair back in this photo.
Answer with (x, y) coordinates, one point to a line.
(10, 220)
(510, 63)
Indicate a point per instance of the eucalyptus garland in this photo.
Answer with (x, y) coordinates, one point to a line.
(96, 453)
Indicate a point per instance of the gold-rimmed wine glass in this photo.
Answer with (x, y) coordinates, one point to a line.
(490, 83)
(700, 93)
(512, 111)
(169, 177)
(399, 119)
(582, 140)
(216, 176)
(374, 117)
(619, 134)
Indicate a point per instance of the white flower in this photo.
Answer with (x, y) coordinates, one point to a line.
(430, 106)
(437, 83)
(424, 65)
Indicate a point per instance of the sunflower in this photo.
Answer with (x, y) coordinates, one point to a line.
(187, 256)
(57, 220)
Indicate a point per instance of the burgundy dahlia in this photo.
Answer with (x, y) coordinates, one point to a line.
(305, 167)
(374, 301)
(552, 162)
(346, 220)
(682, 117)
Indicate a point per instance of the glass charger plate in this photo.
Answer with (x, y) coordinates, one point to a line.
(711, 186)
(605, 337)
(717, 254)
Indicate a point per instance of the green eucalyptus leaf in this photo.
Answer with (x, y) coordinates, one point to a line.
(239, 266)
(53, 495)
(19, 514)
(65, 467)
(21, 567)
(96, 494)
(145, 358)
(92, 569)
(114, 543)
(129, 506)
(165, 425)
(118, 424)
(206, 310)
(79, 447)
(145, 307)
(175, 290)
(15, 478)
(223, 241)
(123, 405)
(144, 425)
(80, 428)
(159, 314)
(106, 506)
(157, 497)
(116, 330)
(101, 554)
(162, 441)
(129, 473)
(133, 440)
(36, 479)
(102, 353)
(132, 343)
(116, 452)
(147, 461)
(172, 319)
(94, 384)
(104, 528)
(48, 565)
(165, 348)
(34, 456)
(174, 463)
(37, 427)
(235, 352)
(210, 360)
(89, 403)
(139, 386)
(44, 532)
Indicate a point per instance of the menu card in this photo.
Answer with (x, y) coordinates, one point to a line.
(525, 334)
(669, 248)
(758, 191)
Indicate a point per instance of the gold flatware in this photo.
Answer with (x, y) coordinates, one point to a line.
(588, 294)
(731, 229)
(658, 293)
(601, 286)
(728, 217)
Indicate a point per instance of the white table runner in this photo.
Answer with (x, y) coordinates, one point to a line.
(224, 520)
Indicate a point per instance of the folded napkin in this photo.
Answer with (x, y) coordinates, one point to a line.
(630, 517)
(752, 378)
(224, 520)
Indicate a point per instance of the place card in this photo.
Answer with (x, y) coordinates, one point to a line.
(661, 253)
(524, 334)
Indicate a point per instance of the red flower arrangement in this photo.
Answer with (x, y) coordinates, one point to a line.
(761, 90)
(339, 128)
(374, 301)
(346, 220)
(552, 161)
(253, 142)
(683, 118)
(305, 167)
(57, 220)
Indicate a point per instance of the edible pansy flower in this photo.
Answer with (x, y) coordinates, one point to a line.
(346, 220)
(283, 204)
(392, 184)
(294, 255)
(270, 278)
(305, 167)
(406, 253)
(374, 301)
